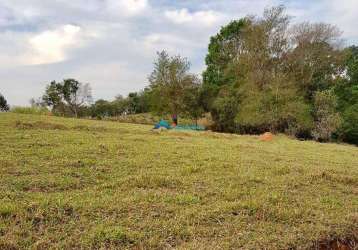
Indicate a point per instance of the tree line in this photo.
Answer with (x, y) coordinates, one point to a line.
(263, 74)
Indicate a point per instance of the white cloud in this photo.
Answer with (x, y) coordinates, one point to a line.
(50, 46)
(181, 16)
(174, 44)
(127, 7)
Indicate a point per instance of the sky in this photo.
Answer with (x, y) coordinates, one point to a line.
(112, 44)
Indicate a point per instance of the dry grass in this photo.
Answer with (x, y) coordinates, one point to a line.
(67, 183)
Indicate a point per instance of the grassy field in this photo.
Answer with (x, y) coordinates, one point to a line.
(67, 183)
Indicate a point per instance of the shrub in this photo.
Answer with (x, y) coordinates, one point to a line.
(31, 110)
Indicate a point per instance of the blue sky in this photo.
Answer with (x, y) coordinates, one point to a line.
(111, 44)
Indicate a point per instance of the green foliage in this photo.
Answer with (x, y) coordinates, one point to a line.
(135, 103)
(276, 108)
(67, 98)
(222, 48)
(224, 110)
(221, 52)
(352, 63)
(347, 94)
(349, 128)
(265, 75)
(102, 108)
(3, 104)
(168, 83)
(327, 119)
(192, 101)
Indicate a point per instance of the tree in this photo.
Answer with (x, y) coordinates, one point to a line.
(347, 94)
(224, 110)
(101, 108)
(349, 128)
(316, 62)
(193, 102)
(263, 74)
(69, 95)
(327, 119)
(222, 50)
(53, 96)
(3, 104)
(168, 82)
(76, 94)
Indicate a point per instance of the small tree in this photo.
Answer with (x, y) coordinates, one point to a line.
(69, 95)
(3, 104)
(76, 94)
(327, 120)
(53, 97)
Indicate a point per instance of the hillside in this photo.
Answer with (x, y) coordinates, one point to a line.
(67, 183)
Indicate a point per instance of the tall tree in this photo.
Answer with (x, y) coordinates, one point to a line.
(316, 59)
(222, 51)
(347, 93)
(3, 104)
(168, 82)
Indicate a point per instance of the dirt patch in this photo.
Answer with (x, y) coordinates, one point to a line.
(347, 244)
(334, 178)
(87, 128)
(39, 125)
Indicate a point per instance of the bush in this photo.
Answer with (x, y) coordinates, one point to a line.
(224, 111)
(349, 130)
(31, 110)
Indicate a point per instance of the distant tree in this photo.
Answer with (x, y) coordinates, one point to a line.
(76, 94)
(102, 108)
(53, 97)
(168, 82)
(133, 102)
(37, 103)
(3, 104)
(69, 95)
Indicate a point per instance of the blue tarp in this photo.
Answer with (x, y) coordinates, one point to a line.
(165, 124)
(162, 124)
(190, 127)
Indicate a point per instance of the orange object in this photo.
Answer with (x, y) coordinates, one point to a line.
(266, 136)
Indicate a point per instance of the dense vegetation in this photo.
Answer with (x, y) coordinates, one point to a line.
(85, 184)
(3, 104)
(263, 74)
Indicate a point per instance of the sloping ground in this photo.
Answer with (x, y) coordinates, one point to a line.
(67, 183)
